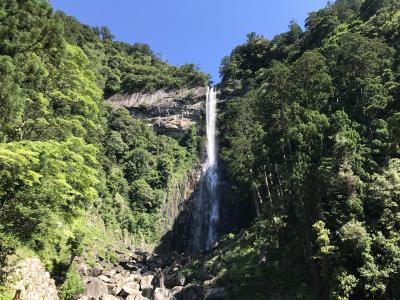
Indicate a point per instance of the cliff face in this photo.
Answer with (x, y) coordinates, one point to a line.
(172, 113)
(178, 211)
(168, 112)
(28, 279)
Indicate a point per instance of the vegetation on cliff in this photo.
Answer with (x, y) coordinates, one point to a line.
(76, 173)
(310, 135)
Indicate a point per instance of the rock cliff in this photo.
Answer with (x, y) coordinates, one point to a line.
(29, 280)
(168, 112)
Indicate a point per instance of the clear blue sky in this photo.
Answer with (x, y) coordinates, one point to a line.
(190, 31)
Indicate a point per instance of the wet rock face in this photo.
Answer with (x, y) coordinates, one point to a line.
(168, 112)
(177, 211)
(29, 280)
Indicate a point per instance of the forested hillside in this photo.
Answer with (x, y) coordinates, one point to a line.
(310, 135)
(77, 176)
(309, 139)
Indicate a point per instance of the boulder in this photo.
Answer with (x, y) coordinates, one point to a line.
(216, 293)
(94, 272)
(176, 279)
(148, 292)
(116, 289)
(133, 278)
(110, 288)
(109, 297)
(119, 277)
(95, 288)
(176, 290)
(119, 269)
(81, 267)
(129, 266)
(105, 279)
(146, 285)
(190, 292)
(136, 296)
(129, 288)
(147, 282)
(162, 294)
(187, 295)
(110, 273)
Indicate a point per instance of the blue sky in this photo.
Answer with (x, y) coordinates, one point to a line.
(190, 31)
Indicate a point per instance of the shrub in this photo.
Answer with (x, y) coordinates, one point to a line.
(73, 285)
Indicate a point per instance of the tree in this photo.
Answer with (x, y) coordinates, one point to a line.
(11, 100)
(104, 33)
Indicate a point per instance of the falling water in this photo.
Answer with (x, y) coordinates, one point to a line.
(206, 214)
(211, 175)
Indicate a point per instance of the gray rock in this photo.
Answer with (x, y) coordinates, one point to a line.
(105, 279)
(148, 293)
(190, 292)
(28, 279)
(95, 288)
(169, 112)
(149, 273)
(119, 277)
(162, 294)
(119, 269)
(216, 293)
(147, 282)
(187, 295)
(133, 278)
(94, 272)
(117, 289)
(110, 273)
(109, 297)
(130, 266)
(136, 296)
(176, 290)
(176, 279)
(129, 288)
(81, 267)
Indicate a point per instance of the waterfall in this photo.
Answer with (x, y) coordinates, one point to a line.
(211, 175)
(206, 213)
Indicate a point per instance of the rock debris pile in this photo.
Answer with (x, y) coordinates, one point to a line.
(142, 276)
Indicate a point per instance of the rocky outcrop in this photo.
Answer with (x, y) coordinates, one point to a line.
(29, 280)
(177, 210)
(168, 112)
(143, 276)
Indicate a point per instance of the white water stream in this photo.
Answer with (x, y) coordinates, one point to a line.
(206, 212)
(210, 167)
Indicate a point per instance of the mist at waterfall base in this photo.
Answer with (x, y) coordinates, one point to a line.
(206, 213)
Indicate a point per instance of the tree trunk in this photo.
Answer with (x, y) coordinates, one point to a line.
(267, 187)
(255, 202)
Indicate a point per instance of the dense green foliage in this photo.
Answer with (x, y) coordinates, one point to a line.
(73, 285)
(75, 173)
(121, 67)
(310, 135)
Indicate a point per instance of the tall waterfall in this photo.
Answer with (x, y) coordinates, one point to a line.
(206, 214)
(211, 175)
